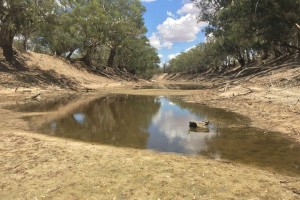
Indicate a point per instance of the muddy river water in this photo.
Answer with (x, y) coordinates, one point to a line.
(162, 124)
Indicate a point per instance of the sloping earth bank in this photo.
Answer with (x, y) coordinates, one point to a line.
(272, 100)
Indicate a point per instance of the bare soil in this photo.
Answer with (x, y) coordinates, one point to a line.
(34, 166)
(271, 101)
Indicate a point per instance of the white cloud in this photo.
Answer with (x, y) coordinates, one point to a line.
(170, 14)
(156, 42)
(190, 48)
(184, 29)
(181, 28)
(171, 56)
(176, 130)
(188, 8)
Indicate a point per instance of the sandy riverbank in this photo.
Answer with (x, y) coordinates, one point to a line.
(35, 166)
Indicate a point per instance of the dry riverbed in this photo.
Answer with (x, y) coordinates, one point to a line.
(35, 166)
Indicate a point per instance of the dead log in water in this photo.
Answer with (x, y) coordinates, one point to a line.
(201, 126)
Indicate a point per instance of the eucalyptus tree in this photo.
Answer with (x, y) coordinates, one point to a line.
(20, 16)
(104, 32)
(251, 25)
(138, 57)
(125, 21)
(238, 28)
(198, 59)
(61, 33)
(12, 13)
(91, 20)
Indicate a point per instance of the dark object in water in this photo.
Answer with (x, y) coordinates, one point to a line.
(199, 127)
(201, 124)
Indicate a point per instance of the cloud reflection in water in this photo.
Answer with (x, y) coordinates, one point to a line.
(169, 130)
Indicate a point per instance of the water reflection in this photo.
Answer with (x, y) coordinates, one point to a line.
(121, 121)
(162, 124)
(173, 86)
(79, 117)
(169, 130)
(253, 146)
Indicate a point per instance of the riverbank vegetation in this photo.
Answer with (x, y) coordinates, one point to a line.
(242, 33)
(100, 33)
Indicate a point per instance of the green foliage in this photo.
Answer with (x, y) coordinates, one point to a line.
(198, 59)
(241, 29)
(15, 17)
(139, 56)
(104, 32)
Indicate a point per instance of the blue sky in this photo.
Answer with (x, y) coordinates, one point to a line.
(172, 26)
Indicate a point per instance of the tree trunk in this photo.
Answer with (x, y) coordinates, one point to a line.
(265, 54)
(241, 59)
(7, 46)
(8, 52)
(298, 37)
(277, 53)
(25, 44)
(87, 59)
(58, 53)
(6, 42)
(110, 62)
(248, 57)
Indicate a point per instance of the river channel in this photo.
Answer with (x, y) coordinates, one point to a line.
(162, 124)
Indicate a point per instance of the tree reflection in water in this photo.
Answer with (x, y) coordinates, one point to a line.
(115, 120)
(158, 123)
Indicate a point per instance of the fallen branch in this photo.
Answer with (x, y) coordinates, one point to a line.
(224, 161)
(293, 104)
(34, 97)
(271, 69)
(87, 89)
(243, 72)
(104, 74)
(18, 87)
(53, 190)
(249, 92)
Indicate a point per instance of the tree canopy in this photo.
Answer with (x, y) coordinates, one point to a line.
(108, 33)
(242, 30)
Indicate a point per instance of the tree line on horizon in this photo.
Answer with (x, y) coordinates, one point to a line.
(103, 33)
(241, 31)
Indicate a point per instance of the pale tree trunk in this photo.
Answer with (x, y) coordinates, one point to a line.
(70, 54)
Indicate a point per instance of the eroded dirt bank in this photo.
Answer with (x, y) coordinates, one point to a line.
(271, 101)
